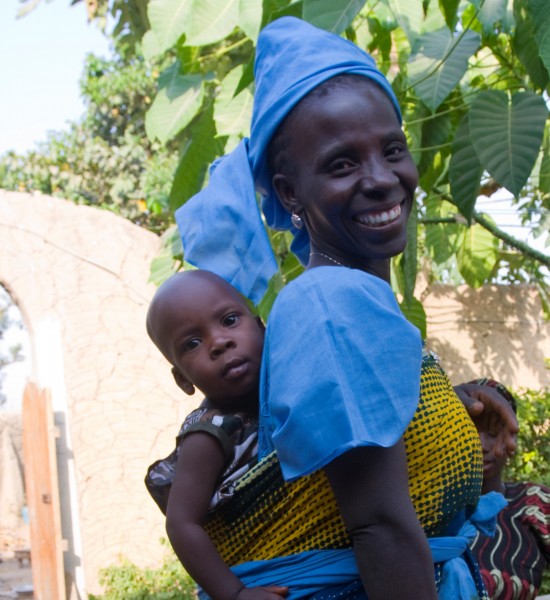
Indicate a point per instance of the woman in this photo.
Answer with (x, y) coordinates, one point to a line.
(512, 562)
(342, 368)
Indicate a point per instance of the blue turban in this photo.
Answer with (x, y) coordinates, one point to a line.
(292, 58)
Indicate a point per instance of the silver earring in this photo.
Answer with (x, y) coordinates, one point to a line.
(296, 220)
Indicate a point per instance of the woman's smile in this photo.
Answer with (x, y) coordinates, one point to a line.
(380, 218)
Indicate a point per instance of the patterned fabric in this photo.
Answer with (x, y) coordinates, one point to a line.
(238, 436)
(512, 562)
(267, 518)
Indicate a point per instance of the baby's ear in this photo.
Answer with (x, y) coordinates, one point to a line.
(183, 382)
(260, 323)
(285, 192)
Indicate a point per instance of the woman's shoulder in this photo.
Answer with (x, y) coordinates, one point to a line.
(331, 284)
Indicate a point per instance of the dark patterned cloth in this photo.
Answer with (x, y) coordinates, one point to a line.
(238, 436)
(513, 561)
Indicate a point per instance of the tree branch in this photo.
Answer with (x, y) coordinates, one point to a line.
(498, 233)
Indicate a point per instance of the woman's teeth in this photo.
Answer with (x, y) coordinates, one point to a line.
(380, 218)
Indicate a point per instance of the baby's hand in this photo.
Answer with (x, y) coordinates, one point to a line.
(270, 592)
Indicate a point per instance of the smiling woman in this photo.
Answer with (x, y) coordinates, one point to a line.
(394, 473)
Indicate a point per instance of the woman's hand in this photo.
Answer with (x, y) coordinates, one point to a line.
(480, 401)
(271, 592)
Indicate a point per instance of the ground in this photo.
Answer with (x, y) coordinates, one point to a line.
(15, 578)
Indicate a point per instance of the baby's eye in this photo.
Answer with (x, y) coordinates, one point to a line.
(231, 319)
(191, 344)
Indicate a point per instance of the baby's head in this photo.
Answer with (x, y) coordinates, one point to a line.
(213, 341)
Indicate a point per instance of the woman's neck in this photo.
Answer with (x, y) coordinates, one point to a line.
(493, 485)
(377, 267)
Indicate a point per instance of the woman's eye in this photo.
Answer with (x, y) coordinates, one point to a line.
(341, 165)
(395, 151)
(231, 320)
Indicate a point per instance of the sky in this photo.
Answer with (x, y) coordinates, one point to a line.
(41, 60)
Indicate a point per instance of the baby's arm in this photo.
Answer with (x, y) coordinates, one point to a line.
(200, 464)
(371, 487)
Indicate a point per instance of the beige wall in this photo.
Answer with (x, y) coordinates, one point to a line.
(494, 331)
(79, 276)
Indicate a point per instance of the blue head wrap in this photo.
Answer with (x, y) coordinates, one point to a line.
(292, 58)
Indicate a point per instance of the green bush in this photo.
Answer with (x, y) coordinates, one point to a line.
(127, 581)
(532, 459)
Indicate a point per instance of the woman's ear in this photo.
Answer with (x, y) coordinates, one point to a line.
(285, 192)
(183, 382)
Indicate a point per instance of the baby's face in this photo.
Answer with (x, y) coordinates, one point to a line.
(215, 342)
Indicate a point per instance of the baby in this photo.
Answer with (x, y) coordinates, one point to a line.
(214, 343)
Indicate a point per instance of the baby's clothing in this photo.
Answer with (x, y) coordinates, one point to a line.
(238, 437)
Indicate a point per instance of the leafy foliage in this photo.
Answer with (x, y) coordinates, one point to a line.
(104, 160)
(472, 78)
(127, 581)
(532, 459)
(469, 78)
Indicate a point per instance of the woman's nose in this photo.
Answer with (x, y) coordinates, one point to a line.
(486, 442)
(377, 177)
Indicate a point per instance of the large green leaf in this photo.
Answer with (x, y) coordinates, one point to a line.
(202, 149)
(450, 10)
(150, 45)
(465, 170)
(177, 102)
(490, 12)
(440, 241)
(525, 45)
(544, 175)
(507, 133)
(232, 113)
(250, 18)
(409, 259)
(415, 313)
(540, 13)
(438, 63)
(332, 15)
(168, 20)
(210, 21)
(409, 15)
(477, 255)
(435, 133)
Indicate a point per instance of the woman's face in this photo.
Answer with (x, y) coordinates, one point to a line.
(350, 175)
